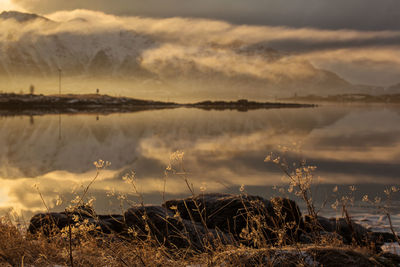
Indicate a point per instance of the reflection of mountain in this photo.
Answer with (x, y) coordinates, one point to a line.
(222, 150)
(29, 150)
(237, 69)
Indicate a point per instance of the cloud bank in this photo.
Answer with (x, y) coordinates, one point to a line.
(203, 49)
(339, 14)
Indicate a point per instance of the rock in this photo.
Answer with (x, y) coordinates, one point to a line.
(111, 223)
(353, 232)
(224, 211)
(207, 220)
(170, 230)
(233, 213)
(349, 232)
(155, 217)
(383, 237)
(312, 256)
(52, 223)
(284, 212)
(388, 259)
(48, 223)
(340, 257)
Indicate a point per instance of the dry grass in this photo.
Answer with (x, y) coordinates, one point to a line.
(77, 245)
(19, 249)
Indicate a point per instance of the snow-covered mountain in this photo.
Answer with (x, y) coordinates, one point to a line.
(36, 53)
(20, 16)
(393, 89)
(34, 46)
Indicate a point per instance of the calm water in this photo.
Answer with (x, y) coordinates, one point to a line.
(350, 145)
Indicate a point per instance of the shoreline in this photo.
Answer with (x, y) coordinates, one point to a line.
(347, 99)
(14, 104)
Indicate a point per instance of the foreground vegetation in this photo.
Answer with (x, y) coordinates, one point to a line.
(18, 249)
(202, 230)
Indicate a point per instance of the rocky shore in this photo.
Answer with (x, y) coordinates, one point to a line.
(20, 104)
(245, 105)
(206, 219)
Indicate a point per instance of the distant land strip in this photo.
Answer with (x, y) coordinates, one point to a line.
(347, 98)
(31, 104)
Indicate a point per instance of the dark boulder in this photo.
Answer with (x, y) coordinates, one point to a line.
(48, 223)
(205, 220)
(352, 232)
(154, 220)
(166, 228)
(383, 237)
(226, 212)
(233, 213)
(111, 223)
(285, 213)
(52, 223)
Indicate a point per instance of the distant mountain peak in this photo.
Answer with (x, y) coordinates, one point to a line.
(395, 88)
(20, 16)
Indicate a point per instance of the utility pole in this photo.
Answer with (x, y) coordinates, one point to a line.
(59, 126)
(59, 93)
(59, 81)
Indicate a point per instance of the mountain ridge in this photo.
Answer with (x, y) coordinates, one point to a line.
(21, 16)
(238, 68)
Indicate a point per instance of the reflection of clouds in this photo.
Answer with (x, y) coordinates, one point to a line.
(364, 136)
(3, 196)
(30, 151)
(375, 170)
(355, 179)
(345, 153)
(219, 148)
(360, 141)
(21, 194)
(222, 151)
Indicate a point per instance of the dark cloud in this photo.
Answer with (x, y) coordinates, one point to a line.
(350, 14)
(378, 170)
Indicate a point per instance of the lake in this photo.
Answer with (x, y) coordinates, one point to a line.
(349, 144)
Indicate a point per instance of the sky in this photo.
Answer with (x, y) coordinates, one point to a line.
(328, 14)
(357, 39)
(8, 5)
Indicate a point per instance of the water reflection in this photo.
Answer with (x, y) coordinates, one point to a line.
(223, 149)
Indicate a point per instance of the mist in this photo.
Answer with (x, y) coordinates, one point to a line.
(188, 58)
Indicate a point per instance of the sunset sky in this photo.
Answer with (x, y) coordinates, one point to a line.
(357, 39)
(7, 5)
